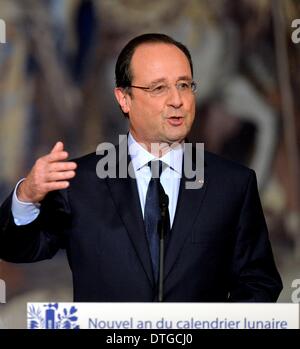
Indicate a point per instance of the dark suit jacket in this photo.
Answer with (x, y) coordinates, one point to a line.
(218, 249)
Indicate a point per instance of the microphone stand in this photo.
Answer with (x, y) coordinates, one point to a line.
(163, 203)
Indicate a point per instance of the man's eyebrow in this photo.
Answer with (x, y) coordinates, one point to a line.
(157, 81)
(184, 77)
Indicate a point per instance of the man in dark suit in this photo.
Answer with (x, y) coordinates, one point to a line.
(217, 247)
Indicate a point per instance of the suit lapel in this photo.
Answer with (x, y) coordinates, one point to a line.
(188, 207)
(125, 195)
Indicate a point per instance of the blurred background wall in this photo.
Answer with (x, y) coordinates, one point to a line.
(57, 79)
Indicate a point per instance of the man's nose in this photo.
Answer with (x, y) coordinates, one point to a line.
(174, 97)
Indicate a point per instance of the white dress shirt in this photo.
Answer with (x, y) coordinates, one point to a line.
(25, 213)
(170, 177)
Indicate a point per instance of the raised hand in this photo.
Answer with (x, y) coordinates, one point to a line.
(50, 172)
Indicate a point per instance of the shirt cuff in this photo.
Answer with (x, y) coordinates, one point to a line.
(23, 212)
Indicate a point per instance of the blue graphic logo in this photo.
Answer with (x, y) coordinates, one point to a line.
(50, 317)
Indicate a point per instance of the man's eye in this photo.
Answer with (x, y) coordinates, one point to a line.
(183, 85)
(159, 88)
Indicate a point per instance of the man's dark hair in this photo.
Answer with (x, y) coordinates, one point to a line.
(123, 72)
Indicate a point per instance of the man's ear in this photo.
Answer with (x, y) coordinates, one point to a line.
(123, 99)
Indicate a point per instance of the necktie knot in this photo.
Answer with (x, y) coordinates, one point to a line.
(156, 167)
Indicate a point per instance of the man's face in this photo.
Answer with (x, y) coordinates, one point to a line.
(163, 118)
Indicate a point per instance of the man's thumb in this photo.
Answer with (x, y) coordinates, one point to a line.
(59, 146)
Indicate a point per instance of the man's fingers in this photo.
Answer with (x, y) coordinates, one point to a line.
(62, 166)
(59, 146)
(56, 156)
(51, 186)
(59, 176)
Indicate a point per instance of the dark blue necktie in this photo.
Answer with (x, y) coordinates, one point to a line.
(152, 215)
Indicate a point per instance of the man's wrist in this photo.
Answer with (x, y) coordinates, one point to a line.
(21, 194)
(23, 212)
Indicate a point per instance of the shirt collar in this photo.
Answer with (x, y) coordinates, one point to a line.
(140, 156)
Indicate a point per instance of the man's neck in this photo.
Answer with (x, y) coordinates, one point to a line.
(157, 149)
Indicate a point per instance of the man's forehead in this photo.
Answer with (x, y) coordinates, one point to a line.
(145, 49)
(154, 56)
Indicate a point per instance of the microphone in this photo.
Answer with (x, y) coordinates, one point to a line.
(163, 205)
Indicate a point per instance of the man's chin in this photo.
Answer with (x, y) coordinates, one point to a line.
(176, 137)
